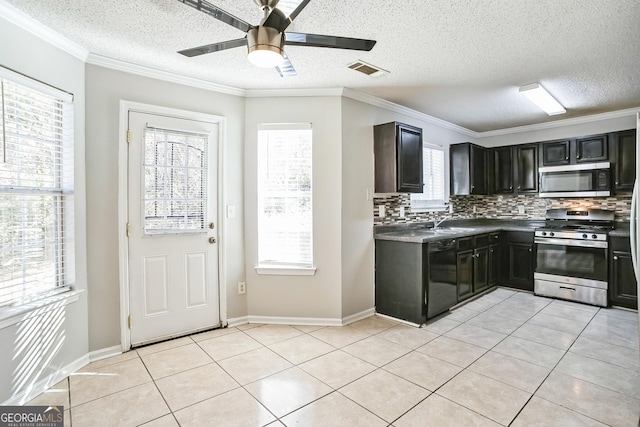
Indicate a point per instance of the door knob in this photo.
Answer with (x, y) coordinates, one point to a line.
(212, 240)
(211, 225)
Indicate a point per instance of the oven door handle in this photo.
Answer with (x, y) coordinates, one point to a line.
(568, 242)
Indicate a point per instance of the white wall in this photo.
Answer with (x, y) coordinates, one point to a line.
(299, 296)
(105, 89)
(35, 349)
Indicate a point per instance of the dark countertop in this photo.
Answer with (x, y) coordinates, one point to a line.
(621, 230)
(423, 232)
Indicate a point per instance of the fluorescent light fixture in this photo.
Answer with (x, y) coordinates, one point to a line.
(539, 96)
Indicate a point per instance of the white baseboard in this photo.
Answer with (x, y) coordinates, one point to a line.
(358, 316)
(301, 321)
(104, 353)
(237, 321)
(46, 383)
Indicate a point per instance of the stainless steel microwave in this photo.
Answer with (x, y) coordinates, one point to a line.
(585, 180)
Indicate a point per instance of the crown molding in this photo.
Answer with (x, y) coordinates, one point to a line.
(27, 23)
(268, 93)
(391, 106)
(561, 123)
(141, 70)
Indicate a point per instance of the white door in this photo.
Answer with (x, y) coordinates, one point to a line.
(172, 227)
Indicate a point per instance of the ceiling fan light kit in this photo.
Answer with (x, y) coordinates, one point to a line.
(265, 47)
(543, 99)
(265, 42)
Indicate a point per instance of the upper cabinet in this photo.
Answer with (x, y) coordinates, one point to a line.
(526, 168)
(514, 169)
(502, 159)
(592, 149)
(398, 158)
(468, 167)
(587, 149)
(623, 157)
(555, 153)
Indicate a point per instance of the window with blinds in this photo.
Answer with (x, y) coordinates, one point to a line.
(285, 218)
(36, 190)
(433, 195)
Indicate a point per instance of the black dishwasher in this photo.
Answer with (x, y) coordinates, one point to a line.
(442, 287)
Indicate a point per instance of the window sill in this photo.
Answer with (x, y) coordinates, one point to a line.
(429, 208)
(285, 270)
(12, 315)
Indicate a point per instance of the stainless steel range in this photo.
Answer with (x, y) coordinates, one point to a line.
(571, 255)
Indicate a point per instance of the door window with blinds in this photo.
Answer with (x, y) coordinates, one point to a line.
(285, 219)
(36, 190)
(175, 181)
(433, 195)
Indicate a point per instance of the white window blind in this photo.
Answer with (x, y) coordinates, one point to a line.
(433, 194)
(36, 191)
(175, 181)
(285, 219)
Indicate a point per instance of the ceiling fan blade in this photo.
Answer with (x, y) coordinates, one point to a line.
(214, 47)
(279, 21)
(318, 40)
(217, 13)
(286, 67)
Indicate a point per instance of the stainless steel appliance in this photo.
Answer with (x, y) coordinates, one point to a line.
(571, 255)
(584, 180)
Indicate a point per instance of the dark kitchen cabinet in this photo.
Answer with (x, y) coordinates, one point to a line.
(623, 157)
(502, 160)
(555, 153)
(591, 149)
(518, 260)
(571, 151)
(514, 169)
(468, 169)
(400, 276)
(526, 168)
(398, 158)
(623, 288)
(473, 267)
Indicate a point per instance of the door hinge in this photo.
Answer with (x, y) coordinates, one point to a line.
(129, 321)
(128, 136)
(128, 228)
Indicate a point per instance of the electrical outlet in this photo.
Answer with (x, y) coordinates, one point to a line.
(242, 288)
(382, 211)
(401, 211)
(520, 209)
(475, 209)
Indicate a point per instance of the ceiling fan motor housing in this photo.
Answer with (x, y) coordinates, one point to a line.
(265, 38)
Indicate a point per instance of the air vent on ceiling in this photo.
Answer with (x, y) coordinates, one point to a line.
(368, 69)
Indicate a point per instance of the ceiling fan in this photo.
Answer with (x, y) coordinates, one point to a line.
(266, 41)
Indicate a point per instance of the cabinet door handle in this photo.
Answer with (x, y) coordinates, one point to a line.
(529, 249)
(566, 158)
(615, 257)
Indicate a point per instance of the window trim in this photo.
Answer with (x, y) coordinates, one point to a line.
(423, 205)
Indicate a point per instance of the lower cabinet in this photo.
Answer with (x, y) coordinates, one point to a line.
(400, 280)
(518, 260)
(623, 288)
(473, 265)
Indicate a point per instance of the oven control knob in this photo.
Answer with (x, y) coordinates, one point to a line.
(594, 236)
(552, 234)
(584, 236)
(544, 233)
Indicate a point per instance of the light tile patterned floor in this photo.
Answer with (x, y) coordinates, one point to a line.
(508, 359)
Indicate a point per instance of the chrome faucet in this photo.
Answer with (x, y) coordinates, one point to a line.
(437, 223)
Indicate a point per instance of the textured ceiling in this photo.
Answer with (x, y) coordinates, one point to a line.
(460, 61)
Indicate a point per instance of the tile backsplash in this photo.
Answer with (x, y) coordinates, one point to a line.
(496, 206)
